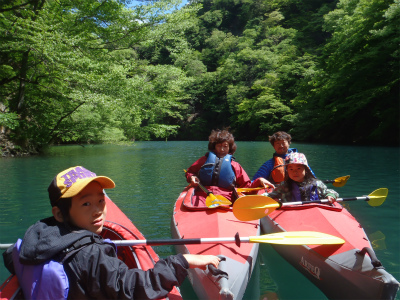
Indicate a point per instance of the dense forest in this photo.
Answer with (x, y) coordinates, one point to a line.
(96, 71)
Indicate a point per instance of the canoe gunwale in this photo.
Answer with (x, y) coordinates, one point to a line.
(124, 233)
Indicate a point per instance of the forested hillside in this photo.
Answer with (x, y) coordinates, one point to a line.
(108, 71)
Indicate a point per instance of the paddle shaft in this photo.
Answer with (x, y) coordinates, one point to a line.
(366, 198)
(223, 240)
(340, 180)
(260, 188)
(201, 186)
(204, 189)
(328, 181)
(285, 238)
(214, 201)
(253, 207)
(5, 246)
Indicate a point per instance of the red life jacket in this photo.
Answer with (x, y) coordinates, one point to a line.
(278, 172)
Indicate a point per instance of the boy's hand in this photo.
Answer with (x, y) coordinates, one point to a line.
(201, 261)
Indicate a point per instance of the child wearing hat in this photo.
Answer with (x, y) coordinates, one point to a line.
(93, 270)
(300, 184)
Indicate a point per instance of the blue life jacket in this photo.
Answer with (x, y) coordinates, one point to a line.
(296, 194)
(48, 280)
(218, 171)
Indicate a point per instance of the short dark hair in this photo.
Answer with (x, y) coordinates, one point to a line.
(280, 135)
(64, 205)
(220, 136)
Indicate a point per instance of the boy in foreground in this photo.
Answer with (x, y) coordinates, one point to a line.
(71, 236)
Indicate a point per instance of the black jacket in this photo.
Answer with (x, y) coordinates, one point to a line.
(94, 271)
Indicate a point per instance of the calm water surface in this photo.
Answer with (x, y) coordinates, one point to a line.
(149, 177)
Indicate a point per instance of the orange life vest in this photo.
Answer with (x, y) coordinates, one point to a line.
(278, 172)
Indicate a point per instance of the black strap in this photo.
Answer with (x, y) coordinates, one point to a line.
(374, 260)
(217, 169)
(235, 195)
(78, 245)
(278, 166)
(217, 272)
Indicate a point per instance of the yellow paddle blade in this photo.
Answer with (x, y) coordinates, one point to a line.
(223, 200)
(253, 207)
(378, 196)
(341, 181)
(297, 238)
(245, 190)
(213, 201)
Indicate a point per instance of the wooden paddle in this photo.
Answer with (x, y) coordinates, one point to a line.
(213, 201)
(253, 207)
(282, 238)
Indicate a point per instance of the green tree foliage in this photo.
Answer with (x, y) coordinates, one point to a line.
(252, 77)
(68, 69)
(104, 71)
(323, 70)
(355, 92)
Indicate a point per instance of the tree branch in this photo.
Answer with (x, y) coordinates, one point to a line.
(61, 119)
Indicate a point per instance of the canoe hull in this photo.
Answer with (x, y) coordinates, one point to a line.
(191, 222)
(339, 271)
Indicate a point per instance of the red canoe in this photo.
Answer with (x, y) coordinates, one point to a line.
(117, 227)
(348, 271)
(202, 222)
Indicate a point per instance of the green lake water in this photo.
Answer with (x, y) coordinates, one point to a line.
(149, 177)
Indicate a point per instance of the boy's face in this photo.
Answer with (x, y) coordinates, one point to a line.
(88, 209)
(296, 172)
(281, 146)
